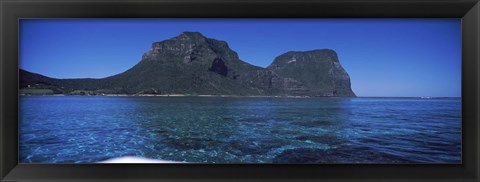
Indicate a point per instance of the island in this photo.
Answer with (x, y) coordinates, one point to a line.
(192, 64)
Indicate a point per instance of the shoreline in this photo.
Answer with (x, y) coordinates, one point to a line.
(240, 96)
(172, 95)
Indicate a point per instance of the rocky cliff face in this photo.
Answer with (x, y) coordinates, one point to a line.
(193, 64)
(319, 70)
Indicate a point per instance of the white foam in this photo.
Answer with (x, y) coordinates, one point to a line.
(131, 159)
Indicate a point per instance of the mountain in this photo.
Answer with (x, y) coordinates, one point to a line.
(193, 64)
(319, 70)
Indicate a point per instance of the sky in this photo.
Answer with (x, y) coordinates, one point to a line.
(384, 57)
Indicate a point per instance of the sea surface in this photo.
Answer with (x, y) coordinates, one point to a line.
(88, 129)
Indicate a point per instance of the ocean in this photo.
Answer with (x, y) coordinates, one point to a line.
(90, 129)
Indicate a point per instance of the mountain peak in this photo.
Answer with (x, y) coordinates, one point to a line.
(188, 33)
(316, 55)
(323, 52)
(190, 46)
(310, 67)
(190, 36)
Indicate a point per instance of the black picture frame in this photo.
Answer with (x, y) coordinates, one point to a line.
(12, 10)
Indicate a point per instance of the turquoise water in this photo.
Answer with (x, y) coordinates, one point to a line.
(86, 129)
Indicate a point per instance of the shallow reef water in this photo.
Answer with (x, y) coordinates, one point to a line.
(87, 129)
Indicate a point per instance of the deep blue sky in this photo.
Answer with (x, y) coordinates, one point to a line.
(384, 57)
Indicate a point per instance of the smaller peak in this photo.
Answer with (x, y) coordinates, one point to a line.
(314, 51)
(315, 55)
(324, 50)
